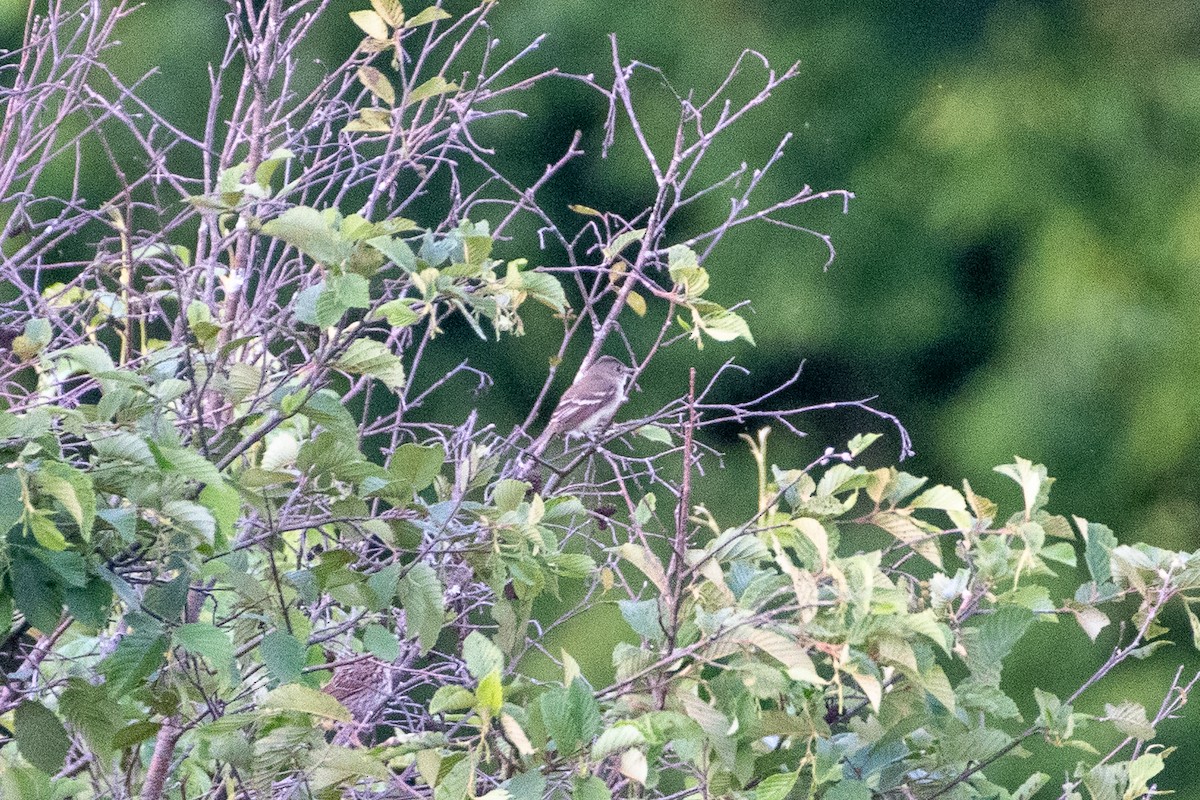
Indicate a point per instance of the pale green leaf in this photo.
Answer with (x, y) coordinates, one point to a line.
(296, 697)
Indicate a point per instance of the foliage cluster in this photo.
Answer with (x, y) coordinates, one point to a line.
(220, 500)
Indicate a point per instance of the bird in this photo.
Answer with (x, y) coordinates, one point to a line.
(589, 405)
(363, 686)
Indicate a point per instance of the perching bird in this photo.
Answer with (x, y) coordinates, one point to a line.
(363, 686)
(588, 406)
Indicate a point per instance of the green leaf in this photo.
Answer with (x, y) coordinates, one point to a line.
(11, 507)
(296, 697)
(1130, 719)
(456, 784)
(1030, 787)
(135, 733)
(1099, 541)
(489, 695)
(642, 616)
(88, 358)
(139, 653)
(544, 288)
(940, 497)
(431, 88)
(725, 326)
(481, 656)
(571, 716)
(431, 14)
(590, 788)
(617, 738)
(399, 313)
(777, 786)
(41, 737)
(381, 642)
(622, 241)
(309, 231)
(283, 655)
(73, 489)
(655, 433)
(192, 518)
(451, 698)
(399, 253)
(92, 712)
(225, 505)
(508, 494)
(46, 532)
(1033, 480)
(993, 639)
(205, 640)
(417, 465)
(369, 357)
(421, 596)
(91, 603)
(848, 789)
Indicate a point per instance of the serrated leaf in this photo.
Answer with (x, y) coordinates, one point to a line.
(41, 737)
(775, 787)
(371, 24)
(421, 596)
(456, 784)
(482, 657)
(139, 653)
(309, 231)
(191, 517)
(73, 490)
(91, 712)
(208, 641)
(646, 561)
(940, 497)
(416, 465)
(369, 357)
(1130, 719)
(381, 643)
(283, 655)
(906, 531)
(616, 739)
(296, 697)
(725, 326)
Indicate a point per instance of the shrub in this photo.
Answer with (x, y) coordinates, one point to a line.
(239, 561)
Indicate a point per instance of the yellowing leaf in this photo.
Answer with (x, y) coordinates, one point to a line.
(637, 303)
(431, 14)
(371, 24)
(516, 735)
(634, 766)
(370, 120)
(431, 88)
(377, 84)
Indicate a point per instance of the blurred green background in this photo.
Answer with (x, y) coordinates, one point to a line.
(1017, 275)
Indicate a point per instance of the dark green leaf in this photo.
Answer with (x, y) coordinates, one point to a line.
(283, 655)
(41, 737)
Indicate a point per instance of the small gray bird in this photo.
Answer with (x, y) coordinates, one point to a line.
(588, 406)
